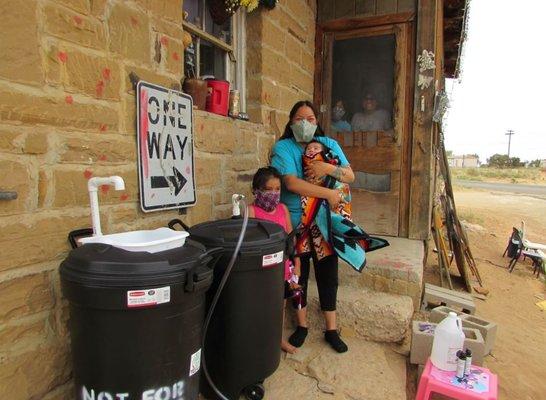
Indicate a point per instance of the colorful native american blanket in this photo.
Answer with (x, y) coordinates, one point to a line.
(323, 232)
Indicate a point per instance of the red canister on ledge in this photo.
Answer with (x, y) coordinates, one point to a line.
(218, 96)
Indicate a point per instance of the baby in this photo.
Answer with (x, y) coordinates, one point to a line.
(316, 151)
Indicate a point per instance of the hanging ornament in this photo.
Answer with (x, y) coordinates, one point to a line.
(221, 10)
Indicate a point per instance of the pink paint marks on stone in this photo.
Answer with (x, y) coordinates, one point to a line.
(124, 197)
(69, 99)
(106, 73)
(176, 57)
(188, 169)
(87, 173)
(102, 157)
(99, 89)
(77, 19)
(62, 56)
(397, 264)
(103, 127)
(134, 20)
(164, 40)
(105, 189)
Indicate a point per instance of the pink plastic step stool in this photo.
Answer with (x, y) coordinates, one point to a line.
(480, 384)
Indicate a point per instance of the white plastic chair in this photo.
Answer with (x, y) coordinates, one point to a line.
(528, 244)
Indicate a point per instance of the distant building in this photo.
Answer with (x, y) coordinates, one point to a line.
(464, 161)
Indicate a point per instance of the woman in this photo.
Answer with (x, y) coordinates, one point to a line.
(301, 128)
(339, 123)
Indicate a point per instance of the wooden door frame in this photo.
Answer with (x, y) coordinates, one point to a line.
(324, 34)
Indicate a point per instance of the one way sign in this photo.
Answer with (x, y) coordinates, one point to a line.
(165, 148)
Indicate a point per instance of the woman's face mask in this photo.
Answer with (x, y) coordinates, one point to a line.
(337, 113)
(303, 131)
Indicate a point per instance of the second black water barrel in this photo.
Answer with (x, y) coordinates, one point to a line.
(242, 346)
(136, 321)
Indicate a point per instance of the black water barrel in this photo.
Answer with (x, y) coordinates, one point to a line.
(242, 346)
(136, 321)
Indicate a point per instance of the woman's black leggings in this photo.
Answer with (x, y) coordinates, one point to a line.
(326, 277)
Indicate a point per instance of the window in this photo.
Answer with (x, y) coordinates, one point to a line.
(219, 49)
(363, 81)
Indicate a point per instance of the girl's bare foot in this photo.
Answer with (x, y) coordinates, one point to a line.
(287, 347)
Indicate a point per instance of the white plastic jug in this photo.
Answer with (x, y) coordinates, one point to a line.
(448, 340)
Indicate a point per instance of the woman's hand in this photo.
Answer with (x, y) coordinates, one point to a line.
(335, 198)
(318, 169)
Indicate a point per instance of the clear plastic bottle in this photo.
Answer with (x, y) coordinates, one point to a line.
(448, 340)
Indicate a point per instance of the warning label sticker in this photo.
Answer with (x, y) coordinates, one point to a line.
(195, 362)
(148, 297)
(272, 259)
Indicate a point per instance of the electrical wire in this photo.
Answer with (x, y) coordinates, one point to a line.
(217, 296)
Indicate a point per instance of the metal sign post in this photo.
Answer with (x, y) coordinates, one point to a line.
(165, 148)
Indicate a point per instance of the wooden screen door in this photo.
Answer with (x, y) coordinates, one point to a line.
(365, 98)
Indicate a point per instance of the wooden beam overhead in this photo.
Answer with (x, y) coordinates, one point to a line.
(366, 22)
(454, 33)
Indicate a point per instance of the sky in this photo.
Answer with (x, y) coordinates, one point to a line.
(503, 82)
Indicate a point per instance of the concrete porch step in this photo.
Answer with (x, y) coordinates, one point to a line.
(368, 370)
(396, 269)
(381, 317)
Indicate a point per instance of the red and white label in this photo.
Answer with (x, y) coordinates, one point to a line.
(148, 297)
(272, 259)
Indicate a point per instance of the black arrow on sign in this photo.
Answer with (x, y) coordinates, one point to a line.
(177, 180)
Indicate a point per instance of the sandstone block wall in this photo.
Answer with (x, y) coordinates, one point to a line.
(67, 112)
(280, 60)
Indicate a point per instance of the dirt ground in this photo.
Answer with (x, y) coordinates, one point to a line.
(519, 353)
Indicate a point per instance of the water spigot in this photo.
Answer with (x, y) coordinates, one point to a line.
(235, 200)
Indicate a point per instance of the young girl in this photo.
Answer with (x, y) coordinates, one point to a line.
(266, 187)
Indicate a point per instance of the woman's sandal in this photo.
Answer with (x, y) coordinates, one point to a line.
(332, 337)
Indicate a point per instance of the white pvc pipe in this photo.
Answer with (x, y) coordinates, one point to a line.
(93, 185)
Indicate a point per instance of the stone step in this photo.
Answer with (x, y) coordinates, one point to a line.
(369, 370)
(396, 269)
(381, 317)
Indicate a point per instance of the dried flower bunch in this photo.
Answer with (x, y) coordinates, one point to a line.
(250, 5)
(221, 10)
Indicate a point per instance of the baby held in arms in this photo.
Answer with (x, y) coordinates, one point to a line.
(316, 151)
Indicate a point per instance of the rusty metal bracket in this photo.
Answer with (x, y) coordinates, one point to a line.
(7, 195)
(133, 77)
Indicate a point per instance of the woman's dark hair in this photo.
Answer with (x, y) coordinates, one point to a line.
(288, 131)
(263, 175)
